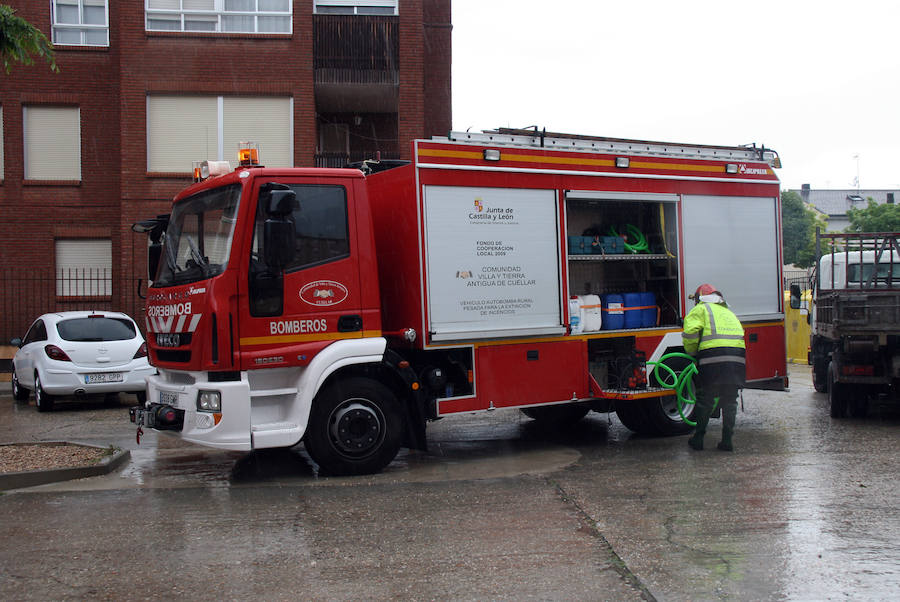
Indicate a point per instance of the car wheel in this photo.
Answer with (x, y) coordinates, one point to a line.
(355, 427)
(19, 392)
(42, 400)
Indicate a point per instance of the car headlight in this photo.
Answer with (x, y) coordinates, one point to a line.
(209, 401)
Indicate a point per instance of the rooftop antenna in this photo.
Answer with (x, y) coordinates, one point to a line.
(856, 179)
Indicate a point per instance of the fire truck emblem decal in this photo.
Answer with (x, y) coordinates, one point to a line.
(323, 293)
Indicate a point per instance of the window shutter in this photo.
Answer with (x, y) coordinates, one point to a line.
(181, 129)
(52, 143)
(266, 120)
(83, 267)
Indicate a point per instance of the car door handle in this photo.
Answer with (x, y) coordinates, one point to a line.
(350, 323)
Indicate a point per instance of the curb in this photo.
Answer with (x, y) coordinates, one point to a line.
(31, 478)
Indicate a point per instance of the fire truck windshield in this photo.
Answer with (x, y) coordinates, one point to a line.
(198, 240)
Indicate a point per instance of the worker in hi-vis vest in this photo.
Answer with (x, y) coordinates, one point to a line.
(714, 336)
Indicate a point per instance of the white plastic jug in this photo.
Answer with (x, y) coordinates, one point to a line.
(591, 314)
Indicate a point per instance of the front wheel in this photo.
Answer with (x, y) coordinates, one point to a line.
(820, 377)
(355, 427)
(42, 400)
(19, 392)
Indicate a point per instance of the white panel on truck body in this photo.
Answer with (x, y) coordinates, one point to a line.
(493, 262)
(732, 243)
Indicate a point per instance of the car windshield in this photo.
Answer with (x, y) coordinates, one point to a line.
(96, 328)
(198, 239)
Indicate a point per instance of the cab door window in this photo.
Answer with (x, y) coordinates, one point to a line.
(321, 235)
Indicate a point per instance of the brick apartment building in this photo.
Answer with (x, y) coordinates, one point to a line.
(147, 86)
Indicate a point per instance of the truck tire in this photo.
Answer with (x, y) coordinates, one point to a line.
(42, 400)
(837, 394)
(557, 416)
(662, 415)
(631, 415)
(355, 427)
(820, 376)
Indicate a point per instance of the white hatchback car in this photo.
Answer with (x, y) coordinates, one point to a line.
(80, 353)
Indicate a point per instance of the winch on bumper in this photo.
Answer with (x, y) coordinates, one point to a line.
(158, 416)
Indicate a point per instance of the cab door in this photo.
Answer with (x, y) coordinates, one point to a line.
(289, 314)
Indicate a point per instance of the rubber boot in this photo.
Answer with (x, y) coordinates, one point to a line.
(728, 417)
(696, 440)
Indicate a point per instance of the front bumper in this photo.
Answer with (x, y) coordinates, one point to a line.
(227, 429)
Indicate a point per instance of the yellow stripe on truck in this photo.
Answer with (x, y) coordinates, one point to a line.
(527, 158)
(307, 338)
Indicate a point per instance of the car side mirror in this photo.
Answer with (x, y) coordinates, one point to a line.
(16, 342)
(795, 296)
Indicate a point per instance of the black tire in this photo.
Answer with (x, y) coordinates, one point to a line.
(820, 377)
(631, 414)
(19, 392)
(837, 394)
(663, 418)
(42, 399)
(557, 416)
(858, 405)
(355, 427)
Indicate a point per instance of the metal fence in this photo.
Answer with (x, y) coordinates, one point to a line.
(27, 293)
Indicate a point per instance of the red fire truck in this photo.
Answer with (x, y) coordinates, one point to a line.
(347, 308)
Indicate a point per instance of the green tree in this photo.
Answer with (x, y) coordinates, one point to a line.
(798, 225)
(874, 218)
(19, 39)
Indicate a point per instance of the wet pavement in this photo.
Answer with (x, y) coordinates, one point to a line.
(806, 508)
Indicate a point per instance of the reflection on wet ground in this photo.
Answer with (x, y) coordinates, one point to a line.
(805, 508)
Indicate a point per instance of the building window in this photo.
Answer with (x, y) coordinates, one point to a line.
(222, 16)
(182, 129)
(80, 22)
(83, 267)
(52, 142)
(356, 7)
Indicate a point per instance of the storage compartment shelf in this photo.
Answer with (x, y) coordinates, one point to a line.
(618, 257)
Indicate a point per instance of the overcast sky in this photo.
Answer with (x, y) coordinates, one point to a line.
(818, 81)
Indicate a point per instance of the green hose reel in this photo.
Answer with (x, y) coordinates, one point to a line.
(681, 383)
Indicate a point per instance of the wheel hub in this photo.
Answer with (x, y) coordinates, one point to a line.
(356, 428)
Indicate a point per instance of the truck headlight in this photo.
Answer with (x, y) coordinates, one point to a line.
(209, 401)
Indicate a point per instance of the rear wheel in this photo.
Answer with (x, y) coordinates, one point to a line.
(631, 414)
(19, 392)
(558, 415)
(355, 427)
(42, 400)
(837, 394)
(664, 418)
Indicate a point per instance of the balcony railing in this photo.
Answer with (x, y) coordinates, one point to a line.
(352, 49)
(340, 159)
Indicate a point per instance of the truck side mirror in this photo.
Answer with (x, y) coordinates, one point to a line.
(278, 243)
(154, 254)
(795, 296)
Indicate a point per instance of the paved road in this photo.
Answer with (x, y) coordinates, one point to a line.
(804, 509)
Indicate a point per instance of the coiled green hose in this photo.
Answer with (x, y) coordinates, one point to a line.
(681, 383)
(639, 246)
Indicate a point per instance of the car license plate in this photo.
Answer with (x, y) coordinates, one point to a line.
(168, 397)
(103, 377)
